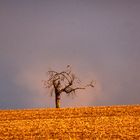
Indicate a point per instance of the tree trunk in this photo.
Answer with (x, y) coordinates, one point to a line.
(57, 100)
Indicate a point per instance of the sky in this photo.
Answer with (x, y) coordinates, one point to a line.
(99, 39)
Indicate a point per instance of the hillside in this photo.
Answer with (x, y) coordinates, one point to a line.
(111, 122)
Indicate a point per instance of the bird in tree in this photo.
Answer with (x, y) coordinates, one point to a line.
(63, 82)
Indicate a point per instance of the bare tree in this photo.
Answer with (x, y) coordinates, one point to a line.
(63, 82)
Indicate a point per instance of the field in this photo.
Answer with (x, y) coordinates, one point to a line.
(86, 123)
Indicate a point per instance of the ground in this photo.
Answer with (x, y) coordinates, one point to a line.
(87, 123)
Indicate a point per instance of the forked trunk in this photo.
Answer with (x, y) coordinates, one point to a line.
(57, 100)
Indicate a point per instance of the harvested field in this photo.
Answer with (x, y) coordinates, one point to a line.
(86, 123)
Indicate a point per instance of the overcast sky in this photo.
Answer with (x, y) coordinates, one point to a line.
(100, 39)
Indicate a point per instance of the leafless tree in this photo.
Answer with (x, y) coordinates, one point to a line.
(63, 82)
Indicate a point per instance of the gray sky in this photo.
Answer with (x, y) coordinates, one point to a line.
(100, 39)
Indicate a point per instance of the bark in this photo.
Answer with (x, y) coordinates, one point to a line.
(57, 100)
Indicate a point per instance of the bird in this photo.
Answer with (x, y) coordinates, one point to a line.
(68, 66)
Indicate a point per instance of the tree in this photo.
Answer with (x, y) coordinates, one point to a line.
(63, 82)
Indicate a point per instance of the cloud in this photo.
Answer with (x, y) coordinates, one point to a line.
(100, 40)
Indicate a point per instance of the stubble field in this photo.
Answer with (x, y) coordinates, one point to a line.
(86, 123)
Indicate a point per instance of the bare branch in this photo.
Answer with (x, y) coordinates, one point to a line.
(91, 84)
(64, 81)
(72, 89)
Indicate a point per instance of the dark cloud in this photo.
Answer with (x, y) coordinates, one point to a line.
(99, 39)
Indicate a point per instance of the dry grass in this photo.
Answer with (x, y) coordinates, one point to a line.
(89, 123)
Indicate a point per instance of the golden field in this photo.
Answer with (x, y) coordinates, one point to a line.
(85, 123)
